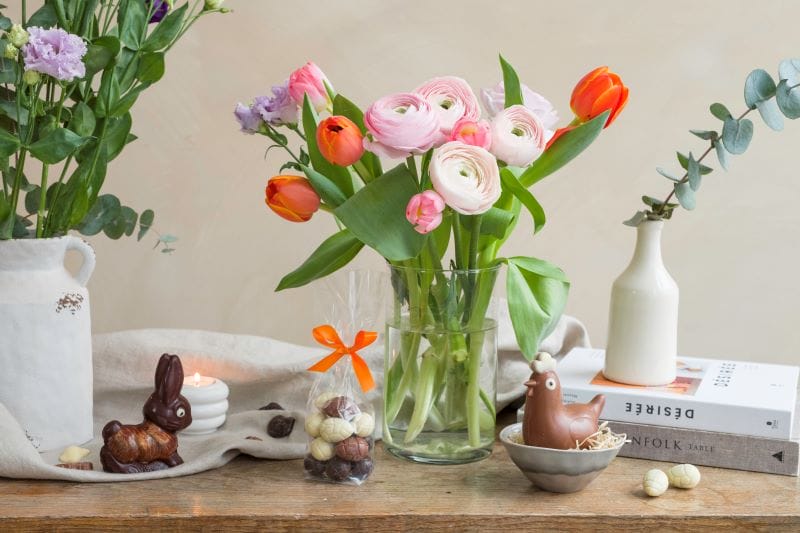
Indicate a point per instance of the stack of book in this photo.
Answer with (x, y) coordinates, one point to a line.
(728, 414)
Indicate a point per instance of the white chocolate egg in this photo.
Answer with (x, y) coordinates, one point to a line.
(655, 482)
(335, 429)
(684, 476)
(321, 450)
(324, 398)
(364, 424)
(73, 454)
(313, 422)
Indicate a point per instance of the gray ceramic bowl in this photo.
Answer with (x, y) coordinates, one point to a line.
(556, 470)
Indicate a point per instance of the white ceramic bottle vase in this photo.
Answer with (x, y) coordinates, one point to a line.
(643, 316)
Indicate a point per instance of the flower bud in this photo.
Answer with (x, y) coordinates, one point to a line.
(340, 141)
(213, 4)
(17, 35)
(10, 52)
(292, 198)
(31, 77)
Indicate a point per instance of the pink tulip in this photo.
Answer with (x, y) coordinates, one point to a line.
(425, 211)
(310, 80)
(452, 98)
(471, 132)
(400, 125)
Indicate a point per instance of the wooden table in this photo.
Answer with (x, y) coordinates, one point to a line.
(489, 495)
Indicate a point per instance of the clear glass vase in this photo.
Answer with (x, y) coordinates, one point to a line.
(440, 365)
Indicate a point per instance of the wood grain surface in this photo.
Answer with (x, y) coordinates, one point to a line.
(250, 494)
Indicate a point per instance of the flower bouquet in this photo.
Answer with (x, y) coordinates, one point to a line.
(439, 218)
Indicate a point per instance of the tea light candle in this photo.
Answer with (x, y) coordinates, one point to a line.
(209, 400)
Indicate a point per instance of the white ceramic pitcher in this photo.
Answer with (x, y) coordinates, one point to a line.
(643, 316)
(46, 340)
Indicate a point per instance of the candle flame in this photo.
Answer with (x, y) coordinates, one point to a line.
(197, 379)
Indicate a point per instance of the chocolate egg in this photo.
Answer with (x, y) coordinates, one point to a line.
(338, 469)
(313, 466)
(353, 448)
(341, 407)
(362, 469)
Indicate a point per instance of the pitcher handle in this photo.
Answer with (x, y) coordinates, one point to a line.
(75, 243)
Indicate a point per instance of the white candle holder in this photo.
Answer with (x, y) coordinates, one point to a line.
(209, 400)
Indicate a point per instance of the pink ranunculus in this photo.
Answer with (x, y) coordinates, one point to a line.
(425, 211)
(400, 125)
(494, 102)
(310, 80)
(517, 136)
(452, 98)
(471, 132)
(466, 177)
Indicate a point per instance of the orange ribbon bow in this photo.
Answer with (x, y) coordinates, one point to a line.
(327, 336)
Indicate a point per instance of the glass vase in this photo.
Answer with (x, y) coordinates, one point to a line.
(440, 365)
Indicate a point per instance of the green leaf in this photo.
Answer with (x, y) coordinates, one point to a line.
(327, 190)
(666, 174)
(56, 146)
(339, 175)
(789, 70)
(788, 100)
(537, 295)
(511, 84)
(376, 215)
(33, 199)
(9, 108)
(125, 103)
(344, 107)
(334, 253)
(706, 135)
(737, 134)
(685, 196)
(495, 222)
(512, 184)
(132, 22)
(151, 67)
(166, 31)
(145, 223)
(441, 235)
(720, 111)
(45, 17)
(168, 239)
(108, 94)
(5, 209)
(684, 161)
(758, 87)
(5, 23)
(101, 53)
(83, 121)
(768, 109)
(722, 154)
(116, 136)
(564, 150)
(636, 219)
(9, 144)
(105, 210)
(8, 70)
(693, 171)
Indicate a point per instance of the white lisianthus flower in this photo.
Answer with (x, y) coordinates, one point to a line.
(517, 136)
(466, 177)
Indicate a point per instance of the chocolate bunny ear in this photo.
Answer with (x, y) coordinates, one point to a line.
(161, 370)
(170, 386)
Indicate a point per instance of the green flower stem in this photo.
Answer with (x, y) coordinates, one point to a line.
(363, 172)
(412, 167)
(40, 215)
(475, 327)
(23, 152)
(457, 238)
(58, 193)
(423, 395)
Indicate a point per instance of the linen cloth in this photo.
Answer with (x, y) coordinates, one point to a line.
(258, 371)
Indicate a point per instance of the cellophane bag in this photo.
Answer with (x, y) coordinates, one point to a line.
(340, 418)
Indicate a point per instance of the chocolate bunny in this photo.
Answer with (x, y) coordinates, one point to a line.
(151, 445)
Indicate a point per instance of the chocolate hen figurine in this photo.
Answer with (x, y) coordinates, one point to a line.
(548, 423)
(153, 444)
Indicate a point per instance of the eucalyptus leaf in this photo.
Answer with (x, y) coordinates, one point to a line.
(684, 162)
(693, 171)
(168, 239)
(770, 114)
(511, 84)
(145, 223)
(105, 210)
(789, 70)
(56, 146)
(720, 111)
(788, 100)
(706, 135)
(737, 134)
(334, 253)
(758, 87)
(537, 295)
(376, 215)
(666, 174)
(722, 154)
(685, 195)
(636, 219)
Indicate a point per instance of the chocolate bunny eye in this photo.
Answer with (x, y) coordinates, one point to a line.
(181, 412)
(550, 383)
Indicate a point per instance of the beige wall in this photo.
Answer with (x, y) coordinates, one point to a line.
(735, 257)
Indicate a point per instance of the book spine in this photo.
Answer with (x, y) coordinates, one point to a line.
(687, 414)
(706, 448)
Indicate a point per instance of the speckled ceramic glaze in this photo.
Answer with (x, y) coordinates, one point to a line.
(556, 470)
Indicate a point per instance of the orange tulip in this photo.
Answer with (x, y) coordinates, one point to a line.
(340, 141)
(599, 91)
(292, 198)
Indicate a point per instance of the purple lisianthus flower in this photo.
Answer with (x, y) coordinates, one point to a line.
(159, 9)
(249, 119)
(279, 108)
(55, 52)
